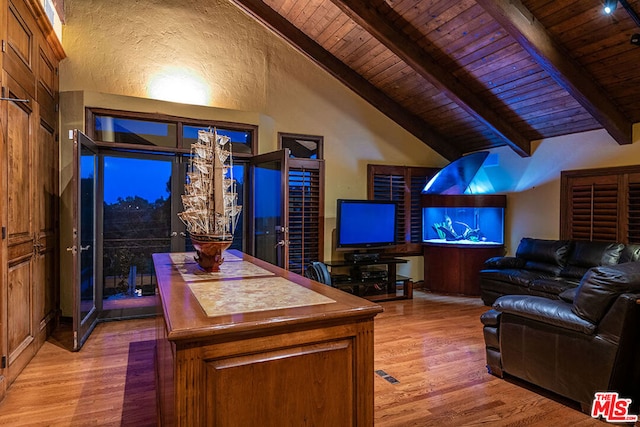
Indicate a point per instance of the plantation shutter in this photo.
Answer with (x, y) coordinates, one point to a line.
(592, 207)
(392, 187)
(417, 185)
(306, 209)
(402, 184)
(633, 208)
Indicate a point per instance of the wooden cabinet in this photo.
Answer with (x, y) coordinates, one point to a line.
(297, 361)
(453, 269)
(29, 182)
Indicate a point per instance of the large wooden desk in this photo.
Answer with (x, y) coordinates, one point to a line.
(257, 345)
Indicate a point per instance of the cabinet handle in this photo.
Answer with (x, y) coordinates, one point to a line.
(15, 100)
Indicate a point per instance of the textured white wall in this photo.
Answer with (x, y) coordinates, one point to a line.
(114, 49)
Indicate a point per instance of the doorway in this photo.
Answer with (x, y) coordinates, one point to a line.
(137, 210)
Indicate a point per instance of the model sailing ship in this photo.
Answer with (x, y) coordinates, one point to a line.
(210, 199)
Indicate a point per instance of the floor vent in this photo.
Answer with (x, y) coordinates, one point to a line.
(387, 377)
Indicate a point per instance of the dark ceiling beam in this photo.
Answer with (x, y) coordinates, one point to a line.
(410, 122)
(365, 15)
(534, 38)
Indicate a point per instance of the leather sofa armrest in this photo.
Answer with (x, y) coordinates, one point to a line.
(502, 262)
(552, 312)
(624, 311)
(490, 318)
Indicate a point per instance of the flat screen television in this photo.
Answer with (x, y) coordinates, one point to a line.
(364, 224)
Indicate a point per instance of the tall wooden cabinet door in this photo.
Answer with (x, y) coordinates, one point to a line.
(45, 183)
(19, 229)
(45, 268)
(19, 54)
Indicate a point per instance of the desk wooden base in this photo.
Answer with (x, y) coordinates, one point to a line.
(308, 365)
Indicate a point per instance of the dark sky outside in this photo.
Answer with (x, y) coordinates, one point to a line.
(124, 177)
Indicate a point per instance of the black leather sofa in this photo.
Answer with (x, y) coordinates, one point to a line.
(548, 267)
(586, 341)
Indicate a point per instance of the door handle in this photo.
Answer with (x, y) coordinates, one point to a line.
(85, 248)
(73, 249)
(281, 243)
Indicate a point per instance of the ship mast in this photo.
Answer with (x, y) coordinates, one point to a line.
(217, 196)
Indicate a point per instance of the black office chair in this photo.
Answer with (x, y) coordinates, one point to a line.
(318, 271)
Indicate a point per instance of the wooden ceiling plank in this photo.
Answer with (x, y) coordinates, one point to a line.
(376, 24)
(535, 39)
(413, 124)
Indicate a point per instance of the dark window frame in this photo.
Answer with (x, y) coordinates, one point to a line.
(180, 122)
(316, 138)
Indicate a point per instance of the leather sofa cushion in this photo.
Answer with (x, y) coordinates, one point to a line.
(568, 295)
(552, 285)
(504, 262)
(585, 255)
(601, 286)
(631, 252)
(512, 276)
(550, 311)
(544, 255)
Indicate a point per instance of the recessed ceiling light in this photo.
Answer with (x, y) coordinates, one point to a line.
(610, 6)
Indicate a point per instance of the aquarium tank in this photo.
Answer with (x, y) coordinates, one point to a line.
(463, 225)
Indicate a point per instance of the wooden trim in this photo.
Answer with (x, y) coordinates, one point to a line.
(480, 201)
(46, 28)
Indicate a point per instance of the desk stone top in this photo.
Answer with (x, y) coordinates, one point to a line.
(224, 297)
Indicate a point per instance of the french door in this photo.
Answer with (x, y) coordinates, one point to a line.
(287, 210)
(83, 249)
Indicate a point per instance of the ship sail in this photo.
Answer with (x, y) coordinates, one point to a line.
(210, 200)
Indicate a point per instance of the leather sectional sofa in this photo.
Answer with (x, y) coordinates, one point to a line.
(585, 341)
(548, 267)
(565, 317)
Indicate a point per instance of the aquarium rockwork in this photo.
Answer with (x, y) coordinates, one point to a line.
(463, 225)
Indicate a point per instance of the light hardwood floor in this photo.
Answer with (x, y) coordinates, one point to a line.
(432, 345)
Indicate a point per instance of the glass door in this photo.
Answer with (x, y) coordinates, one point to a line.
(269, 219)
(84, 238)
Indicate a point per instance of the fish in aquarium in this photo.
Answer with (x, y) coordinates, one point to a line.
(446, 231)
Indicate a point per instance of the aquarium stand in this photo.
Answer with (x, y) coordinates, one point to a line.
(454, 269)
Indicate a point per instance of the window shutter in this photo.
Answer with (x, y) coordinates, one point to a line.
(633, 206)
(404, 185)
(594, 212)
(392, 187)
(305, 214)
(417, 184)
(593, 205)
(605, 212)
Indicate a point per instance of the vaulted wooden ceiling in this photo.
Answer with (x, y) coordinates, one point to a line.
(468, 75)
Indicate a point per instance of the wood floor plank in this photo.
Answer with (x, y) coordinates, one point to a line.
(432, 345)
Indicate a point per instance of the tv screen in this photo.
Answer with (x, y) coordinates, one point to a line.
(366, 223)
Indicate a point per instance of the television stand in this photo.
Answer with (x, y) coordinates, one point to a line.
(372, 279)
(359, 257)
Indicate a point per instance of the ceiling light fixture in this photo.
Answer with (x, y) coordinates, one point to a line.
(610, 6)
